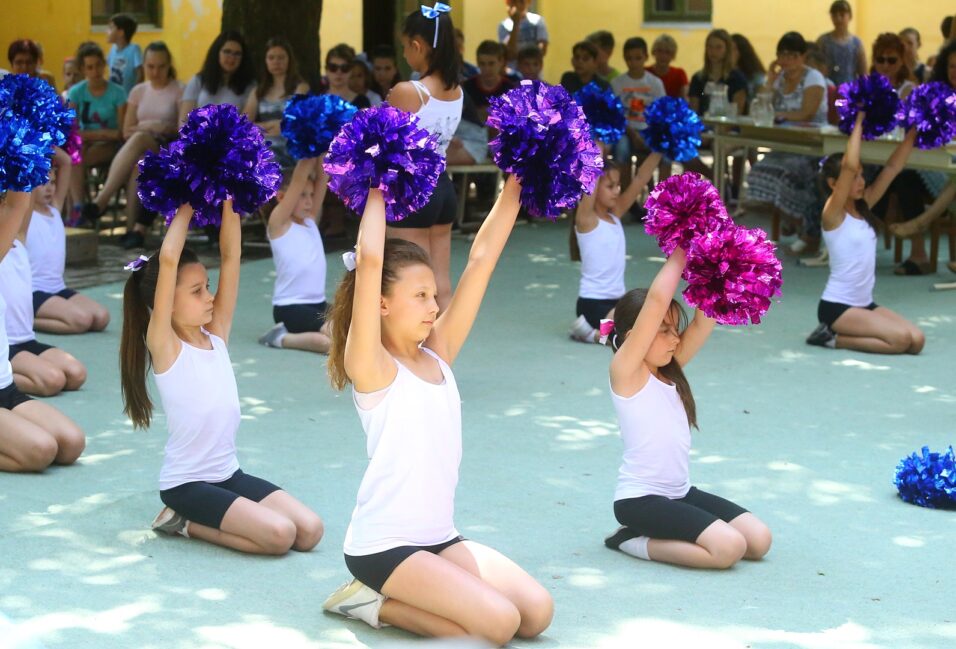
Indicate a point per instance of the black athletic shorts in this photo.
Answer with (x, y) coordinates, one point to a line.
(34, 346)
(828, 312)
(206, 502)
(594, 310)
(299, 318)
(439, 210)
(39, 297)
(11, 397)
(373, 570)
(683, 519)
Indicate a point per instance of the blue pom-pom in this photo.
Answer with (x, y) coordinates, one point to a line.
(544, 139)
(928, 479)
(219, 155)
(931, 110)
(311, 122)
(874, 95)
(673, 129)
(25, 154)
(384, 148)
(604, 112)
(36, 101)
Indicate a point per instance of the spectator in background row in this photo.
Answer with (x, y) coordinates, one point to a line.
(468, 70)
(749, 64)
(360, 82)
(227, 76)
(888, 60)
(279, 79)
(521, 29)
(71, 75)
(637, 89)
(338, 68)
(604, 41)
(912, 43)
(385, 72)
(816, 60)
(584, 60)
(844, 52)
(718, 69)
(125, 58)
(664, 51)
(491, 80)
(530, 63)
(25, 57)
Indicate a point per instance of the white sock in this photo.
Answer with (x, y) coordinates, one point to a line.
(280, 338)
(636, 547)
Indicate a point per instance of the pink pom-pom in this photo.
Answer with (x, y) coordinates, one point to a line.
(681, 208)
(74, 145)
(732, 273)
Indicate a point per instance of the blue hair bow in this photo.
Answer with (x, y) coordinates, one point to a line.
(435, 12)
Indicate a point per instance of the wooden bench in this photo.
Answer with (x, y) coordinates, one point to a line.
(81, 246)
(463, 172)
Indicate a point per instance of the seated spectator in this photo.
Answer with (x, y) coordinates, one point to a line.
(490, 81)
(785, 181)
(125, 58)
(530, 62)
(25, 57)
(468, 70)
(279, 79)
(912, 42)
(584, 61)
(385, 72)
(71, 75)
(521, 29)
(664, 51)
(637, 89)
(360, 81)
(604, 41)
(889, 54)
(817, 61)
(718, 69)
(749, 64)
(227, 76)
(151, 121)
(338, 66)
(101, 111)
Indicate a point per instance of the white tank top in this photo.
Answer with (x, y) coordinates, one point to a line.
(852, 248)
(46, 243)
(6, 370)
(17, 292)
(407, 496)
(603, 254)
(201, 403)
(299, 257)
(439, 116)
(656, 442)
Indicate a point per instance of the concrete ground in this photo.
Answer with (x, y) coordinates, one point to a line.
(807, 438)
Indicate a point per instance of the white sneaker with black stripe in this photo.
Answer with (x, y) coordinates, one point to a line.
(357, 601)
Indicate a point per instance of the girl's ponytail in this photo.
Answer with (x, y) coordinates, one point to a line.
(340, 319)
(443, 57)
(133, 353)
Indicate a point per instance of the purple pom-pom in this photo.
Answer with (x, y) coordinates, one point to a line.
(673, 129)
(310, 122)
(544, 139)
(681, 208)
(74, 144)
(384, 148)
(931, 110)
(36, 101)
(732, 273)
(604, 112)
(219, 155)
(874, 95)
(928, 479)
(25, 155)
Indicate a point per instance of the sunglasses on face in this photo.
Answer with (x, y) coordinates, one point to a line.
(336, 67)
(888, 60)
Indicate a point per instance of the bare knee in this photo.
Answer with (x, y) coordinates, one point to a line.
(79, 321)
(279, 536)
(499, 623)
(537, 610)
(75, 373)
(49, 381)
(758, 543)
(899, 341)
(729, 550)
(917, 341)
(309, 533)
(39, 454)
(99, 320)
(70, 446)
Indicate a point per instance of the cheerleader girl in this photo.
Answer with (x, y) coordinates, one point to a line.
(35, 435)
(412, 568)
(597, 241)
(849, 318)
(663, 517)
(172, 323)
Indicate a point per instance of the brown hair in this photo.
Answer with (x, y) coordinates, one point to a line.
(610, 164)
(398, 254)
(292, 77)
(888, 41)
(830, 167)
(586, 47)
(625, 315)
(728, 63)
(138, 296)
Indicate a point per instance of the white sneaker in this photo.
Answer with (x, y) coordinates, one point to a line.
(357, 601)
(169, 522)
(273, 337)
(581, 331)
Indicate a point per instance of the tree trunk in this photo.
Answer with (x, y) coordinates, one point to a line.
(296, 20)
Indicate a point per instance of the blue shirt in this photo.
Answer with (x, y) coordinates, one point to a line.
(123, 64)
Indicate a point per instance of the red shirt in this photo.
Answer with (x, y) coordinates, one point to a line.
(674, 80)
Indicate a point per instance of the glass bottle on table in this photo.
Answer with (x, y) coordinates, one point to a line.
(761, 108)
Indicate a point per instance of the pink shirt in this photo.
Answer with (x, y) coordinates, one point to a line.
(156, 108)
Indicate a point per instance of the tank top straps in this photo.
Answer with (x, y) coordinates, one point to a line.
(439, 116)
(603, 260)
(852, 248)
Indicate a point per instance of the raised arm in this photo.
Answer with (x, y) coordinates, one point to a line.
(64, 170)
(585, 216)
(230, 252)
(833, 209)
(891, 170)
(638, 183)
(320, 189)
(628, 371)
(161, 340)
(14, 209)
(694, 337)
(281, 215)
(452, 327)
(368, 365)
(511, 45)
